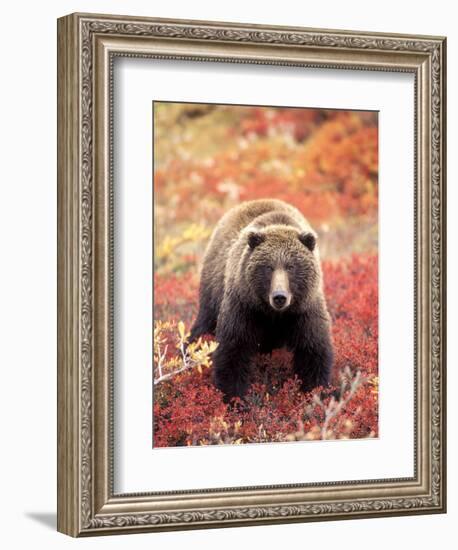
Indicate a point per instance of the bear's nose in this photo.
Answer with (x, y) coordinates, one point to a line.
(279, 299)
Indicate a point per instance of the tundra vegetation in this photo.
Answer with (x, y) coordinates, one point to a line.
(208, 158)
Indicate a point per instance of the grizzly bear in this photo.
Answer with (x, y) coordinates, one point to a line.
(260, 289)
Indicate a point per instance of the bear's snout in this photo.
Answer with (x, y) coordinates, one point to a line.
(280, 295)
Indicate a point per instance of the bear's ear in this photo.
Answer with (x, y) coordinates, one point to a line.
(255, 239)
(309, 240)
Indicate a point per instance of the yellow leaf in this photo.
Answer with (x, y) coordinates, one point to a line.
(181, 329)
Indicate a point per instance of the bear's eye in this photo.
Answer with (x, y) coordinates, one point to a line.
(268, 268)
(289, 267)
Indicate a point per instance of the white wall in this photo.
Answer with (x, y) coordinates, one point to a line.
(28, 274)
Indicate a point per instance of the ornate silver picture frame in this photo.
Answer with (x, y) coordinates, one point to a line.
(87, 47)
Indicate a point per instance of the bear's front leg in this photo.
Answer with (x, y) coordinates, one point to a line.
(237, 343)
(231, 367)
(313, 366)
(313, 354)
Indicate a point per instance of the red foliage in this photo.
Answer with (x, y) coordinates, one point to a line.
(300, 123)
(175, 296)
(189, 410)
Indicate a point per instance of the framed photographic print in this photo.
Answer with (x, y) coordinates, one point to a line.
(251, 290)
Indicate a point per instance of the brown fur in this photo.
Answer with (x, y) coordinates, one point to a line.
(248, 244)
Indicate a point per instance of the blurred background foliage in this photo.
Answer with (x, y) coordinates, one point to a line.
(208, 158)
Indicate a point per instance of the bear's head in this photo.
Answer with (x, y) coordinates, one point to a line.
(282, 268)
